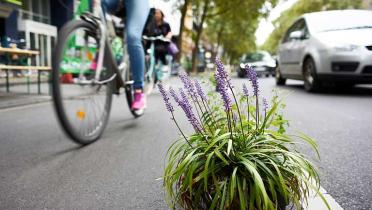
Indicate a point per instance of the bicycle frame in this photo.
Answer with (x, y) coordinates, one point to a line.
(107, 57)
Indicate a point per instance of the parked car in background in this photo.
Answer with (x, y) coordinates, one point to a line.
(327, 47)
(261, 61)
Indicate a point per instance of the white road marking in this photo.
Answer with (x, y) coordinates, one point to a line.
(24, 106)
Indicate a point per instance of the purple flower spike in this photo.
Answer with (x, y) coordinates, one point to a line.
(265, 104)
(187, 108)
(184, 99)
(245, 90)
(222, 88)
(165, 98)
(221, 72)
(252, 75)
(222, 81)
(174, 95)
(187, 83)
(200, 90)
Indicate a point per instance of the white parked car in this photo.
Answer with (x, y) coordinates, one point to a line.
(261, 61)
(327, 47)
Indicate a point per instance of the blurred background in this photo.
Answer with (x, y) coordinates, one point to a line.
(327, 44)
(202, 28)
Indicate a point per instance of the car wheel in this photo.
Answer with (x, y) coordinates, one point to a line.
(278, 77)
(241, 73)
(311, 81)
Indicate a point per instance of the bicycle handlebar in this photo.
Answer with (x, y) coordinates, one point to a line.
(154, 38)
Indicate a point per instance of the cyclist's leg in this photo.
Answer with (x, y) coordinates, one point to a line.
(137, 12)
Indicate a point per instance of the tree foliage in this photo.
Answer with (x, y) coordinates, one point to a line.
(227, 24)
(282, 23)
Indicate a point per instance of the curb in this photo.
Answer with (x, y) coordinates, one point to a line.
(315, 202)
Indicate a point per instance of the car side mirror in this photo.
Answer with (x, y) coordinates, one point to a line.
(296, 35)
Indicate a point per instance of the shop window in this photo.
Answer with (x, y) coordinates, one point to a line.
(37, 10)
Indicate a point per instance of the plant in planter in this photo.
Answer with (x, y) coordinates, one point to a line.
(239, 155)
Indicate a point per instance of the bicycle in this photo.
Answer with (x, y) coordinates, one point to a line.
(155, 71)
(87, 72)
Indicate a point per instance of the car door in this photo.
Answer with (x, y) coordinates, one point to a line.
(297, 48)
(291, 63)
(283, 52)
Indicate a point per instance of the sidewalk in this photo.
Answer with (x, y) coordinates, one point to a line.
(22, 80)
(19, 95)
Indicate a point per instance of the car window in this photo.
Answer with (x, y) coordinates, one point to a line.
(299, 25)
(253, 57)
(340, 20)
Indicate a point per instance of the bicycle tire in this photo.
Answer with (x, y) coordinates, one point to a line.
(59, 105)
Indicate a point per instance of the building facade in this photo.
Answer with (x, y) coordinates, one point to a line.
(367, 4)
(36, 22)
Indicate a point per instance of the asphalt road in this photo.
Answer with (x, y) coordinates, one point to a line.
(41, 169)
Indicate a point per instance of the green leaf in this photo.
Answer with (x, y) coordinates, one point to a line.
(233, 184)
(219, 155)
(271, 112)
(310, 141)
(206, 171)
(242, 200)
(222, 204)
(258, 182)
(216, 140)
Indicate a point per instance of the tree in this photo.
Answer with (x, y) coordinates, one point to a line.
(234, 30)
(183, 7)
(229, 24)
(200, 9)
(282, 23)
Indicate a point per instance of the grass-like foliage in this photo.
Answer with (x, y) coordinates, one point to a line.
(239, 155)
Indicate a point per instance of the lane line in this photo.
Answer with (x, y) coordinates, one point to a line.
(15, 108)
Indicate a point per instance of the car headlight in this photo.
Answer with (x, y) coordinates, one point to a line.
(242, 65)
(271, 64)
(346, 48)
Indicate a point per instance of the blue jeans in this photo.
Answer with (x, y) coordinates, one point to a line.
(136, 15)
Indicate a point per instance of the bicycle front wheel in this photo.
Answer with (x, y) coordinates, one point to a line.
(82, 104)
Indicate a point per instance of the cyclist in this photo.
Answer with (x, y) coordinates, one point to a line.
(136, 12)
(158, 27)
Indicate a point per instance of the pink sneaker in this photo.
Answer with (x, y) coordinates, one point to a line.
(139, 101)
(93, 65)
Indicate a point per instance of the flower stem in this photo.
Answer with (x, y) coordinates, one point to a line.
(248, 112)
(257, 113)
(174, 120)
(229, 122)
(237, 106)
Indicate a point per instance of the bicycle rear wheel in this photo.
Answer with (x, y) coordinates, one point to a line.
(82, 105)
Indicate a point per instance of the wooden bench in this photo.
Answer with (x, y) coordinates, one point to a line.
(8, 68)
(18, 51)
